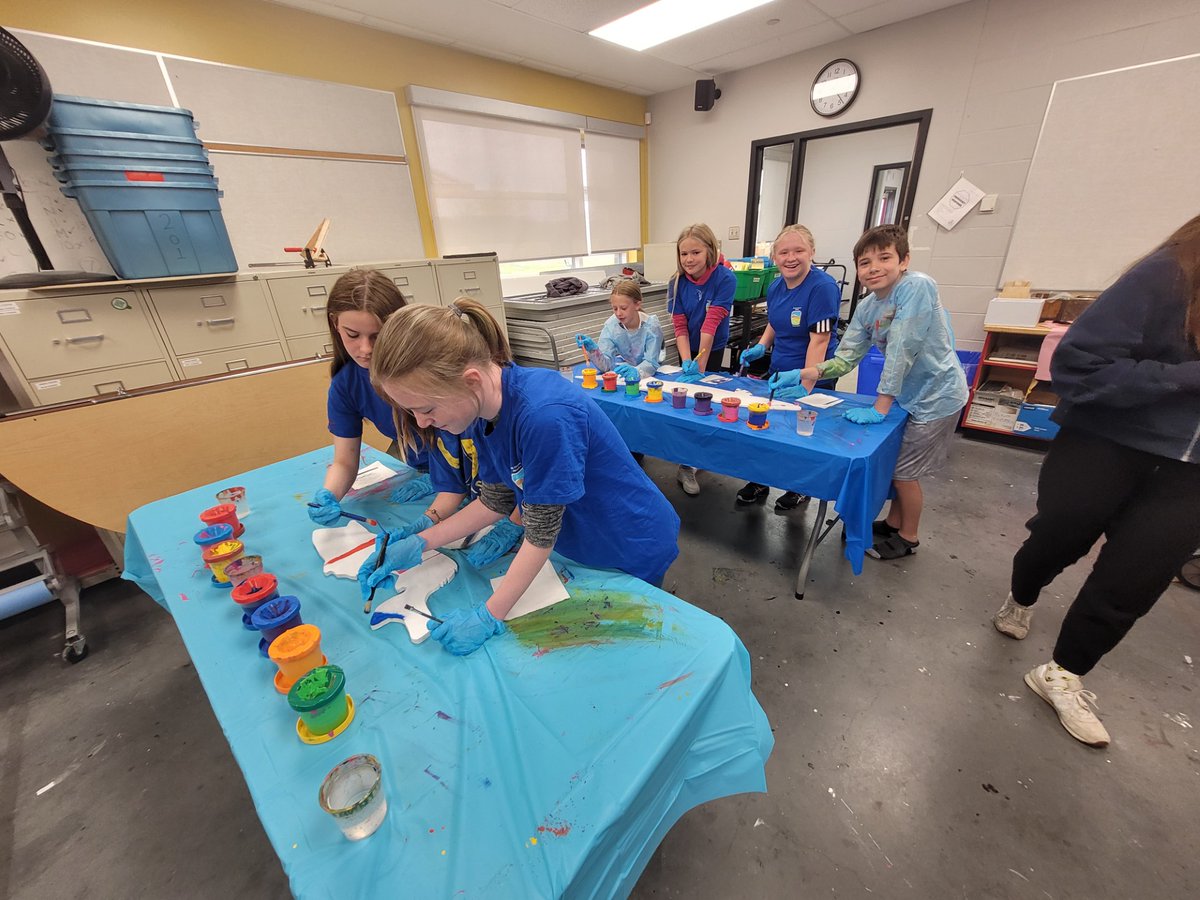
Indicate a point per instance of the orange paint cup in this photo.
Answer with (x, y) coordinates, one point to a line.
(297, 652)
(223, 513)
(218, 556)
(589, 379)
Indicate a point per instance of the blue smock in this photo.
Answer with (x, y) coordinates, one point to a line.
(795, 313)
(552, 445)
(692, 300)
(641, 347)
(352, 399)
(912, 330)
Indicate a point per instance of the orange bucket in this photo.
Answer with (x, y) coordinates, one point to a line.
(223, 514)
(297, 652)
(218, 556)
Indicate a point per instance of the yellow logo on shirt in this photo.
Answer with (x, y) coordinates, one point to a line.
(797, 316)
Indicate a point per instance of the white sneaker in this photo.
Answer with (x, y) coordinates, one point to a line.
(687, 480)
(1013, 619)
(1064, 691)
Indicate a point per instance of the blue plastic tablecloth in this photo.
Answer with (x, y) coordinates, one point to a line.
(551, 762)
(849, 464)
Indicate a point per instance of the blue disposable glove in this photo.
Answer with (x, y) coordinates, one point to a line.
(402, 553)
(417, 525)
(464, 631)
(781, 380)
(493, 545)
(413, 489)
(583, 342)
(691, 373)
(868, 416)
(628, 372)
(328, 512)
(792, 393)
(750, 354)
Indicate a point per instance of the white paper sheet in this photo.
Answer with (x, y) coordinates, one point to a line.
(820, 401)
(372, 474)
(545, 590)
(956, 203)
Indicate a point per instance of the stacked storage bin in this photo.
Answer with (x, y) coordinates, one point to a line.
(143, 181)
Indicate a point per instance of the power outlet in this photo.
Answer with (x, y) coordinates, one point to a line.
(735, 233)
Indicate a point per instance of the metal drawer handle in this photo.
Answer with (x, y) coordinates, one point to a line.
(313, 309)
(85, 338)
(470, 290)
(110, 387)
(211, 322)
(234, 365)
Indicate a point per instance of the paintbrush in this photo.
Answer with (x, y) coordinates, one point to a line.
(347, 515)
(421, 612)
(378, 565)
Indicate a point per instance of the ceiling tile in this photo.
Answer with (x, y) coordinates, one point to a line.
(740, 32)
(579, 15)
(786, 45)
(892, 12)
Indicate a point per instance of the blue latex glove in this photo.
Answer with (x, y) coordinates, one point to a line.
(413, 489)
(417, 525)
(781, 380)
(791, 393)
(628, 372)
(329, 512)
(495, 543)
(691, 373)
(464, 631)
(583, 342)
(750, 354)
(402, 553)
(868, 416)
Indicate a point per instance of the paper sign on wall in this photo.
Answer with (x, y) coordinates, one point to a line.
(956, 203)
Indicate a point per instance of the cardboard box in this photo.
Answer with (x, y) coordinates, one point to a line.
(1033, 420)
(995, 404)
(1017, 313)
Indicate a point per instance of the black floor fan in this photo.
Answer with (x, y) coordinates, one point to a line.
(25, 97)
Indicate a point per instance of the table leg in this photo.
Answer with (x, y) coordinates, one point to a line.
(814, 538)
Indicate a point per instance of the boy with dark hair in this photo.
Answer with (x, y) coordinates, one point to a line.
(904, 318)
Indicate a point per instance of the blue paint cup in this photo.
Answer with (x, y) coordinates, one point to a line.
(274, 618)
(213, 534)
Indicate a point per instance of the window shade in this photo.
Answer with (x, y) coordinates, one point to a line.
(614, 179)
(504, 185)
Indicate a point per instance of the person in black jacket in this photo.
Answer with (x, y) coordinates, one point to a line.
(1125, 465)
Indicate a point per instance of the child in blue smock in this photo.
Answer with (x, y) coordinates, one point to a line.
(802, 316)
(545, 448)
(905, 319)
(630, 342)
(699, 299)
(359, 303)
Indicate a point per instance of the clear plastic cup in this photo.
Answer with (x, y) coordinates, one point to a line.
(236, 496)
(353, 794)
(806, 420)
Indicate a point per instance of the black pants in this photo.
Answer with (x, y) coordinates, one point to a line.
(1148, 509)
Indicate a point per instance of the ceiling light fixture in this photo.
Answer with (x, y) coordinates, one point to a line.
(668, 19)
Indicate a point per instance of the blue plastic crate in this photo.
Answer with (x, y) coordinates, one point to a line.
(871, 368)
(156, 230)
(123, 175)
(71, 140)
(136, 160)
(110, 115)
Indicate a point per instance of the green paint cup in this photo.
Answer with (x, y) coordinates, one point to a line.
(320, 698)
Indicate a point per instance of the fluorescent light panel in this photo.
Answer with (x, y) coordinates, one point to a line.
(668, 19)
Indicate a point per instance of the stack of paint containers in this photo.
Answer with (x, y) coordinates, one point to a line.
(143, 182)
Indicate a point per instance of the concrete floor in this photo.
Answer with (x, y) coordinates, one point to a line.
(910, 758)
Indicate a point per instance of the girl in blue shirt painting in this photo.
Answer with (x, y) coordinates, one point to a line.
(546, 448)
(802, 312)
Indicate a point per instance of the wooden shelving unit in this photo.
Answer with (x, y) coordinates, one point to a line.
(1006, 398)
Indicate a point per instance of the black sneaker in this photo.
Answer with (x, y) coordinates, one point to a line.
(789, 501)
(883, 529)
(753, 493)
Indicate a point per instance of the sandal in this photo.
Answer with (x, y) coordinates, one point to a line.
(893, 547)
(883, 529)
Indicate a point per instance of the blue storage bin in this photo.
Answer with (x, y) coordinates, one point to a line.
(871, 368)
(121, 175)
(154, 230)
(109, 115)
(71, 140)
(136, 160)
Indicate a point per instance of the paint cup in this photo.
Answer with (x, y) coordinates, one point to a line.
(320, 698)
(758, 415)
(654, 392)
(353, 794)
(211, 534)
(806, 420)
(218, 556)
(610, 382)
(241, 569)
(679, 398)
(633, 388)
(729, 409)
(703, 405)
(253, 593)
(223, 513)
(297, 652)
(275, 617)
(236, 496)
(589, 379)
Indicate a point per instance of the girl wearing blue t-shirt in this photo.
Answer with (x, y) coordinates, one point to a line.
(699, 299)
(802, 316)
(359, 303)
(546, 448)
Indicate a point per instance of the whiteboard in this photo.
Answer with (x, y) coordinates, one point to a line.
(84, 69)
(1113, 174)
(275, 201)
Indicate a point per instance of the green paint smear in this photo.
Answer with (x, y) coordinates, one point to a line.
(314, 684)
(589, 618)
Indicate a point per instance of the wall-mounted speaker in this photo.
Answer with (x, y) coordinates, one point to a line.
(706, 94)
